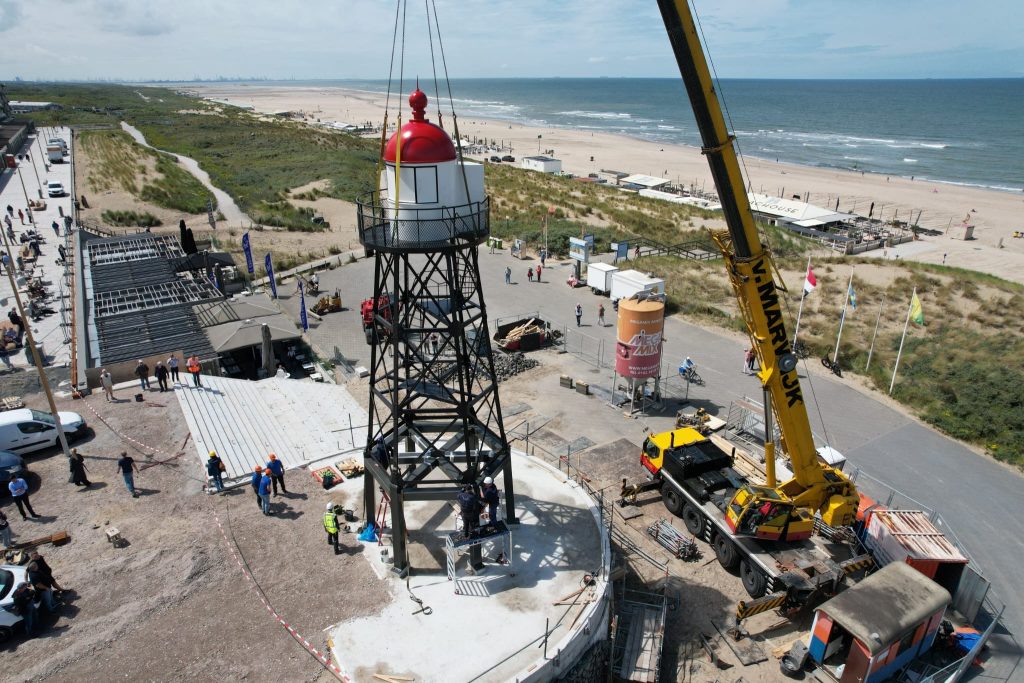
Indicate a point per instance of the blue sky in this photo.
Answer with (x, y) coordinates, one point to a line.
(183, 39)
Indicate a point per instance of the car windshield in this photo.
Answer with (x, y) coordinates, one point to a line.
(40, 416)
(6, 583)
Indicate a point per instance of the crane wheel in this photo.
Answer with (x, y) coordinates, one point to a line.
(673, 501)
(693, 520)
(725, 551)
(754, 582)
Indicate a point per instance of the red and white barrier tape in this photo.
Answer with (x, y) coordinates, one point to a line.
(124, 436)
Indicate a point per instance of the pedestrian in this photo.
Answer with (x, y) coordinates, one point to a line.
(193, 368)
(34, 243)
(492, 498)
(264, 492)
(67, 223)
(126, 466)
(8, 224)
(257, 475)
(62, 251)
(543, 257)
(331, 527)
(108, 384)
(56, 228)
(76, 462)
(5, 530)
(276, 470)
(636, 252)
(508, 275)
(161, 375)
(579, 314)
(214, 467)
(23, 603)
(469, 509)
(748, 361)
(529, 273)
(19, 492)
(10, 210)
(21, 217)
(600, 314)
(41, 577)
(142, 372)
(172, 365)
(539, 268)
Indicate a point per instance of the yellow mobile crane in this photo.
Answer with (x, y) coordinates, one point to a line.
(815, 487)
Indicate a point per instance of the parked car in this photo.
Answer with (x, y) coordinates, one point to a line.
(10, 576)
(55, 189)
(508, 158)
(11, 465)
(26, 430)
(496, 159)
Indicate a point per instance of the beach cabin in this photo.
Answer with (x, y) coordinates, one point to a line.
(543, 164)
(868, 632)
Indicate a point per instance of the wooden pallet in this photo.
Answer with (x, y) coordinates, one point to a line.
(350, 467)
(11, 403)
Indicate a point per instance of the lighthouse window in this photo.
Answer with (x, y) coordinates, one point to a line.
(419, 184)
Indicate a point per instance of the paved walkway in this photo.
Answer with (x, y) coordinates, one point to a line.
(979, 498)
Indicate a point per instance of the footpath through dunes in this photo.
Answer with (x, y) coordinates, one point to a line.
(225, 204)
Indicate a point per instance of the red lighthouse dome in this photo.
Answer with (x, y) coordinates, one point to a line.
(422, 141)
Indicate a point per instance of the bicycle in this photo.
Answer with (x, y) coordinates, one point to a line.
(800, 350)
(691, 376)
(833, 366)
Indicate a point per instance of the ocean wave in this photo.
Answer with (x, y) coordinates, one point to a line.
(917, 145)
(907, 160)
(596, 114)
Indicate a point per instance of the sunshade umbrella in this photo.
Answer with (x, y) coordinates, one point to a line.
(269, 363)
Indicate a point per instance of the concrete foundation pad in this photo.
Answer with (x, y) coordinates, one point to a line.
(493, 629)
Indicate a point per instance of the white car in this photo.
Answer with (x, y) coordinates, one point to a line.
(55, 189)
(10, 576)
(26, 430)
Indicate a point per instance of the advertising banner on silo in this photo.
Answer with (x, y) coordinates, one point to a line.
(639, 339)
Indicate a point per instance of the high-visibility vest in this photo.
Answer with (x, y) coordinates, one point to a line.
(193, 366)
(331, 522)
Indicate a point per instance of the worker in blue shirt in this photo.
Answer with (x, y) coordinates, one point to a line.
(276, 470)
(257, 476)
(264, 491)
(19, 492)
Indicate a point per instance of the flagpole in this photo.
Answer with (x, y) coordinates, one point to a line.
(877, 320)
(835, 357)
(902, 339)
(803, 296)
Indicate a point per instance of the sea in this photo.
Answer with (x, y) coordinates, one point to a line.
(963, 132)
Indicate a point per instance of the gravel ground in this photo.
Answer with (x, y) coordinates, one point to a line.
(174, 605)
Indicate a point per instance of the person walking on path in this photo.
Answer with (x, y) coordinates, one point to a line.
(19, 492)
(161, 375)
(172, 365)
(5, 530)
(543, 257)
(492, 498)
(276, 470)
(126, 466)
(748, 361)
(600, 315)
(21, 217)
(529, 273)
(214, 467)
(264, 492)
(56, 228)
(579, 314)
(142, 372)
(539, 268)
(108, 384)
(193, 368)
(257, 476)
(76, 462)
(331, 527)
(508, 275)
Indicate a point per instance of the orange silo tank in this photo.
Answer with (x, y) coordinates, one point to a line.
(639, 338)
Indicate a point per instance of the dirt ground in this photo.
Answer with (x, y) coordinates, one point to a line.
(174, 605)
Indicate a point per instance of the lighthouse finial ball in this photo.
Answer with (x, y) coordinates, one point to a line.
(418, 102)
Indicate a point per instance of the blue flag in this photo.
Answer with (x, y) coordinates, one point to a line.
(302, 311)
(853, 297)
(248, 253)
(270, 275)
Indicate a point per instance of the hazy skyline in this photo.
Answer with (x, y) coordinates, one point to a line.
(185, 39)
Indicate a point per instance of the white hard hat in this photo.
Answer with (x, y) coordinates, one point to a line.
(488, 480)
(330, 506)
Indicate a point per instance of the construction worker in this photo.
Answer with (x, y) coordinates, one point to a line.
(276, 470)
(193, 367)
(469, 508)
(492, 498)
(331, 526)
(214, 467)
(264, 492)
(257, 475)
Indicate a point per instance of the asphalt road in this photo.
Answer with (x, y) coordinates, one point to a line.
(979, 499)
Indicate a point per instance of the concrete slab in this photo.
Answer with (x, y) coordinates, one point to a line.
(299, 421)
(494, 631)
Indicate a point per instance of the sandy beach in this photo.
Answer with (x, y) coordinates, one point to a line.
(995, 215)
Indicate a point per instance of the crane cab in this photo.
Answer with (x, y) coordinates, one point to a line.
(762, 512)
(652, 455)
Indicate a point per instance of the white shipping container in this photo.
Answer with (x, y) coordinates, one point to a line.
(627, 283)
(599, 277)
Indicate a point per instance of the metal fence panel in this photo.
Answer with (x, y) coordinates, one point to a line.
(970, 593)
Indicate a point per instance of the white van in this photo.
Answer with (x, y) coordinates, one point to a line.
(26, 430)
